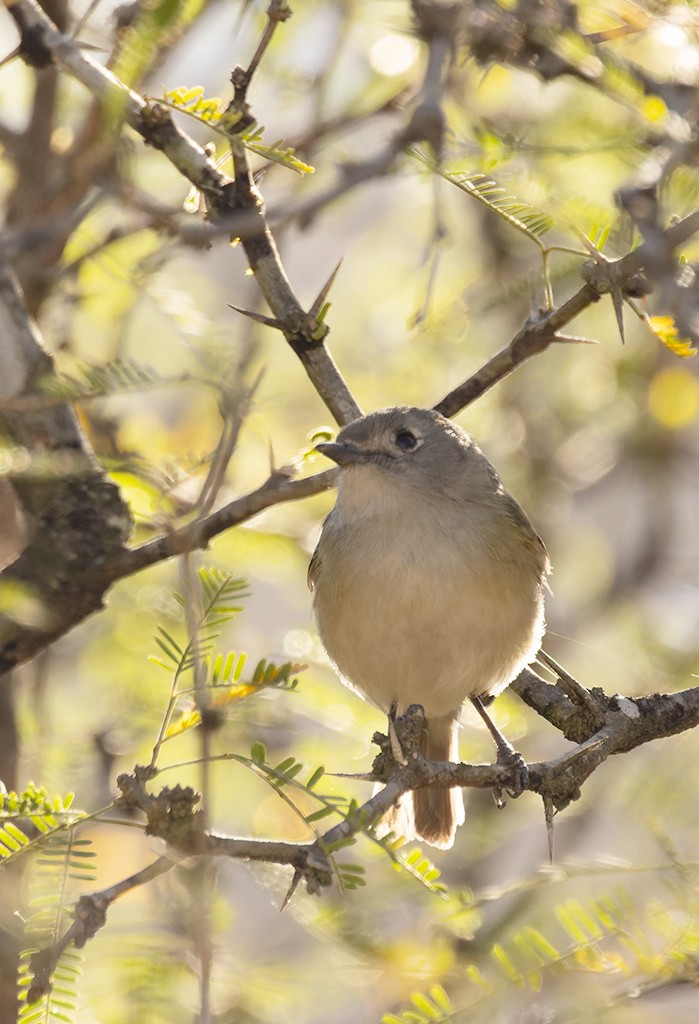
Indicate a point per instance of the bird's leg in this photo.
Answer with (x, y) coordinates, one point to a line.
(507, 756)
(396, 749)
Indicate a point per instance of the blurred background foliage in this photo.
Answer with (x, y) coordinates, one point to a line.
(599, 443)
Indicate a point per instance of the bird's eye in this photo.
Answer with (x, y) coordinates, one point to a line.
(406, 440)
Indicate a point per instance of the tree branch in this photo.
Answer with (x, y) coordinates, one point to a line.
(541, 331)
(172, 816)
(279, 487)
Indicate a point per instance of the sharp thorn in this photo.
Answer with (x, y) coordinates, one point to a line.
(591, 248)
(618, 303)
(548, 817)
(292, 889)
(268, 321)
(11, 56)
(323, 293)
(575, 691)
(357, 776)
(574, 339)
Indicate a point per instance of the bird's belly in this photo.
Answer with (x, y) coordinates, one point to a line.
(407, 635)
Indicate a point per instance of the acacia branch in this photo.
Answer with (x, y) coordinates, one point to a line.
(278, 488)
(542, 330)
(42, 44)
(171, 814)
(90, 915)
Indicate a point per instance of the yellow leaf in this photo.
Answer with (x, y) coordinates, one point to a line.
(664, 328)
(187, 720)
(236, 693)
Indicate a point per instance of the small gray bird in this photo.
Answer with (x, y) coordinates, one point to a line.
(428, 584)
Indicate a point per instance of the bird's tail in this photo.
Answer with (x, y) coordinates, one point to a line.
(438, 812)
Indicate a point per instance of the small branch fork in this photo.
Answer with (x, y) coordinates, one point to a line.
(602, 726)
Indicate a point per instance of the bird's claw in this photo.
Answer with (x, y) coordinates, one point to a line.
(511, 759)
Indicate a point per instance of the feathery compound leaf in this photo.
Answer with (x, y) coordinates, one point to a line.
(169, 646)
(44, 927)
(211, 111)
(351, 876)
(258, 752)
(433, 1007)
(280, 154)
(29, 819)
(100, 381)
(222, 593)
(524, 218)
(419, 866)
(223, 694)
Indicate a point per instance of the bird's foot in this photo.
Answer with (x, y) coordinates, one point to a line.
(507, 757)
(511, 759)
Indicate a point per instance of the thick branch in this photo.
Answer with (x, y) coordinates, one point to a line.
(77, 517)
(172, 815)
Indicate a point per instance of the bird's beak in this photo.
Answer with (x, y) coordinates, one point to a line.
(342, 454)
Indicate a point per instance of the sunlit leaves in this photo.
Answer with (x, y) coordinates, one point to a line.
(99, 381)
(524, 218)
(665, 330)
(194, 102)
(156, 27)
(212, 112)
(430, 1007)
(222, 593)
(223, 692)
(217, 601)
(28, 820)
(223, 671)
(64, 858)
(421, 868)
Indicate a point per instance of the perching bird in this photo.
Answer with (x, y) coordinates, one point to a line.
(428, 583)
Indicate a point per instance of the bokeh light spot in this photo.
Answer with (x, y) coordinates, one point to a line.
(673, 398)
(393, 54)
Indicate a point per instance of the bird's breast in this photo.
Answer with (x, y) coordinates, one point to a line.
(409, 614)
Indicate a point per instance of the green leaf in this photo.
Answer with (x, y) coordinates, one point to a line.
(318, 815)
(258, 752)
(524, 218)
(315, 777)
(509, 968)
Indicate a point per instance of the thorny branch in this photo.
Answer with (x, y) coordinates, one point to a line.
(228, 202)
(43, 43)
(599, 725)
(536, 336)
